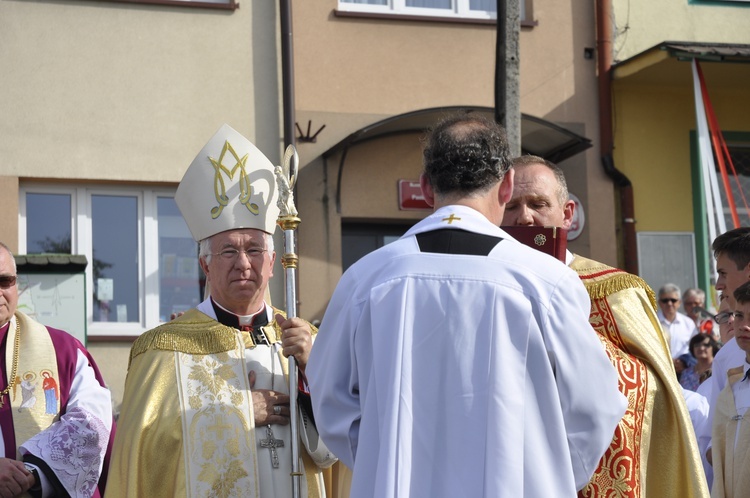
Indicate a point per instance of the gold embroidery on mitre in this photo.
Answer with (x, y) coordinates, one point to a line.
(220, 191)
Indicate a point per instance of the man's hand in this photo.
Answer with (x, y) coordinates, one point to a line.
(265, 402)
(14, 478)
(296, 339)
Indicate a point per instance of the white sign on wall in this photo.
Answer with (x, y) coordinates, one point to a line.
(56, 300)
(579, 219)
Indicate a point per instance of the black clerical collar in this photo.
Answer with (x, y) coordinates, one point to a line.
(229, 319)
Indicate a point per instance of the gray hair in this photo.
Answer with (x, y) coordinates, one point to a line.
(562, 185)
(204, 246)
(669, 289)
(699, 293)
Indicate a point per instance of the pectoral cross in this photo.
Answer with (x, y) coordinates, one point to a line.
(272, 444)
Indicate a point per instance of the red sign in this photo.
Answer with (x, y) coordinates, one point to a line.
(410, 196)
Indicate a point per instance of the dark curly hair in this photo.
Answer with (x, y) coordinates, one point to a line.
(699, 338)
(466, 153)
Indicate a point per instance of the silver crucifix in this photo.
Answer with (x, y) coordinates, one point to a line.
(272, 444)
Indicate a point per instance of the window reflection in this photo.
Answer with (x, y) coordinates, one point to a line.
(180, 278)
(114, 227)
(48, 219)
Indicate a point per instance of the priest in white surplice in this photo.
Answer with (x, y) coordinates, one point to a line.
(456, 362)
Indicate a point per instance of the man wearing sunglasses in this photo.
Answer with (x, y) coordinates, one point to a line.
(60, 425)
(679, 326)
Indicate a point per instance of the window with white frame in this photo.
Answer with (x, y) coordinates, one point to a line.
(479, 9)
(143, 263)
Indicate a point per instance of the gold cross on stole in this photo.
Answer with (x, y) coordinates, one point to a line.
(219, 427)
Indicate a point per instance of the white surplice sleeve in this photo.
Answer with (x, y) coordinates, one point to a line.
(74, 446)
(333, 374)
(586, 380)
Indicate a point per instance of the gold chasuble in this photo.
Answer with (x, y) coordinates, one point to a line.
(654, 451)
(731, 450)
(187, 423)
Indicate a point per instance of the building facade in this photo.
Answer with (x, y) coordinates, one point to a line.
(656, 127)
(106, 104)
(373, 73)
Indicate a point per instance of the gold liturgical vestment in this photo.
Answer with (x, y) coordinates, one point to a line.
(654, 452)
(732, 456)
(187, 427)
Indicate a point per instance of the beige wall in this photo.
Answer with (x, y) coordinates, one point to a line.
(104, 92)
(112, 360)
(112, 91)
(9, 210)
(653, 124)
(642, 24)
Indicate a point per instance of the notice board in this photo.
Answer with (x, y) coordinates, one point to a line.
(56, 297)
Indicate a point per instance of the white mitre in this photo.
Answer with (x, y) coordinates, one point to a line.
(230, 184)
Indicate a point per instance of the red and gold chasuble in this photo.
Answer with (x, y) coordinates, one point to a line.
(656, 430)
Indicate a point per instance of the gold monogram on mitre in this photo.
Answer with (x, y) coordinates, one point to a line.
(229, 185)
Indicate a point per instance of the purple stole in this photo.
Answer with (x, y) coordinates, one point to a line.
(66, 350)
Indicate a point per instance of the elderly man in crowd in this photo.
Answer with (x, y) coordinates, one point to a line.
(206, 404)
(657, 426)
(679, 327)
(54, 437)
(694, 303)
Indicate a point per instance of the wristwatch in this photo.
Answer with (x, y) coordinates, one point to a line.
(36, 489)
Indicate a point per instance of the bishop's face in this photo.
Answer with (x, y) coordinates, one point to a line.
(8, 295)
(536, 200)
(239, 269)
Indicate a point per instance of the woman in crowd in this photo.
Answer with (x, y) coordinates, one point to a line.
(703, 347)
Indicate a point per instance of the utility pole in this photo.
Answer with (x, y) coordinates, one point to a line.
(507, 93)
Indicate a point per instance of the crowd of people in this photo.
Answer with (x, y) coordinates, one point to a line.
(453, 362)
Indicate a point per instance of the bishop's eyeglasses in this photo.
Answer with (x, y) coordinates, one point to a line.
(231, 254)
